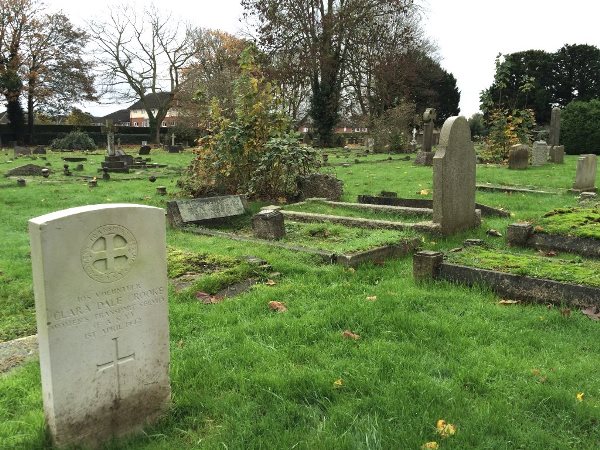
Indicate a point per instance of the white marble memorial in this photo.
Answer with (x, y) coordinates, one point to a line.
(100, 284)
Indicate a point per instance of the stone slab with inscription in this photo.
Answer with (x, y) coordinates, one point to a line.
(100, 284)
(197, 210)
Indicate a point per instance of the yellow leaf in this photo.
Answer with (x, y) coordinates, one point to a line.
(372, 298)
(270, 283)
(445, 429)
(338, 383)
(430, 445)
(580, 396)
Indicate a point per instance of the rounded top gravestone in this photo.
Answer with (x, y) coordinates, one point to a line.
(454, 166)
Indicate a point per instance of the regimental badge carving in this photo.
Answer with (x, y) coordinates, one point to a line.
(109, 253)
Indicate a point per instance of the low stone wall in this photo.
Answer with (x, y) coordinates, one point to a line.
(523, 235)
(537, 290)
(378, 254)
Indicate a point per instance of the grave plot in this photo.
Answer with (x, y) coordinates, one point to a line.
(334, 243)
(574, 230)
(520, 276)
(216, 277)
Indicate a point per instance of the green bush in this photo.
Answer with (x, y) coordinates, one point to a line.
(279, 167)
(580, 127)
(75, 140)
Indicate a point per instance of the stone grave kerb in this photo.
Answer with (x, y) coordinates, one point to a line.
(454, 167)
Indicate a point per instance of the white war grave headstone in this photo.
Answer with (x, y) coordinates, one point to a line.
(100, 284)
(454, 166)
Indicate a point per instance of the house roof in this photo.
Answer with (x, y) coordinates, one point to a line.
(122, 115)
(152, 101)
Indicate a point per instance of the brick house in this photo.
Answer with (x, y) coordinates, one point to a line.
(138, 117)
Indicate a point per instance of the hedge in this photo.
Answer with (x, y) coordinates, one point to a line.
(580, 127)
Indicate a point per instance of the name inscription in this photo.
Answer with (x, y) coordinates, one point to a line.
(105, 312)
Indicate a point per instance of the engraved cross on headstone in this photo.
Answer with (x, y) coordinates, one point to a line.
(110, 252)
(109, 129)
(116, 361)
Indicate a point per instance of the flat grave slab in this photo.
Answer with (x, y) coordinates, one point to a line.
(198, 210)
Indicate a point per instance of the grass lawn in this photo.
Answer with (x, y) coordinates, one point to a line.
(245, 377)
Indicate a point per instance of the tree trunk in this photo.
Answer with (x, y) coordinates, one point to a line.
(30, 97)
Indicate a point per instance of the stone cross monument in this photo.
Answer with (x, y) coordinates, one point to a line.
(109, 129)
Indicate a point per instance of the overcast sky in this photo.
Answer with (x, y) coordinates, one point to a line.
(468, 33)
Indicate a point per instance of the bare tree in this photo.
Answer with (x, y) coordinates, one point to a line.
(322, 34)
(141, 58)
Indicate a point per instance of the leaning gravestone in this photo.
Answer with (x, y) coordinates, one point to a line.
(557, 154)
(518, 157)
(585, 178)
(454, 178)
(539, 153)
(100, 284)
(198, 210)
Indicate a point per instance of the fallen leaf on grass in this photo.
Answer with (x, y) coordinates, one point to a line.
(592, 312)
(208, 299)
(580, 396)
(549, 254)
(270, 282)
(430, 445)
(277, 306)
(424, 192)
(566, 312)
(492, 232)
(338, 383)
(350, 335)
(372, 298)
(180, 344)
(508, 302)
(535, 372)
(538, 229)
(445, 429)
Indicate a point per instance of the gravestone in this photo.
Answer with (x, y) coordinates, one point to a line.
(425, 156)
(100, 285)
(39, 150)
(198, 210)
(454, 178)
(321, 185)
(554, 137)
(539, 153)
(585, 178)
(114, 161)
(268, 224)
(144, 150)
(557, 154)
(518, 157)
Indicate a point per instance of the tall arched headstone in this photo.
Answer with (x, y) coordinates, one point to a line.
(454, 166)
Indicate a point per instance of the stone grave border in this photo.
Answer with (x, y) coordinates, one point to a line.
(497, 188)
(524, 235)
(400, 249)
(422, 203)
(431, 265)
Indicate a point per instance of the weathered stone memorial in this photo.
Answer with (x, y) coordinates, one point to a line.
(518, 157)
(198, 210)
(554, 137)
(268, 224)
(585, 177)
(539, 153)
(557, 154)
(100, 284)
(454, 169)
(425, 156)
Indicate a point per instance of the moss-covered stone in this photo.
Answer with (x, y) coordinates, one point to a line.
(580, 222)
